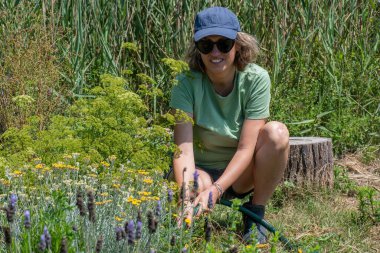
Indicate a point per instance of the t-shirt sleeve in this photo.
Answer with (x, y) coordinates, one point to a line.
(257, 106)
(182, 96)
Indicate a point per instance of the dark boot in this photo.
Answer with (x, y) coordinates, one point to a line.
(251, 227)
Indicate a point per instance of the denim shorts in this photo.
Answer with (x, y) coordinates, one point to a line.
(214, 174)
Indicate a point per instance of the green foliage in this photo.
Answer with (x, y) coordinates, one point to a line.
(342, 182)
(369, 204)
(111, 123)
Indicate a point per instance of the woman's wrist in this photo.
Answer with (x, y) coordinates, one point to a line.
(219, 189)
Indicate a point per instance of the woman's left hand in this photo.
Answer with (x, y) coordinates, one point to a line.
(203, 203)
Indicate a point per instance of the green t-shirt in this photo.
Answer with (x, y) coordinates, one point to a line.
(218, 120)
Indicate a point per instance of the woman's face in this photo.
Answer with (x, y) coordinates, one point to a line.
(217, 62)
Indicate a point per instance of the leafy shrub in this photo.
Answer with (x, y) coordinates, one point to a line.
(111, 122)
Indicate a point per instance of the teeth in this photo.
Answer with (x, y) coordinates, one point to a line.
(216, 60)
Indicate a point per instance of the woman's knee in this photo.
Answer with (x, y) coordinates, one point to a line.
(276, 134)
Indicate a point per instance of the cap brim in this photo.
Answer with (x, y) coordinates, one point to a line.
(228, 33)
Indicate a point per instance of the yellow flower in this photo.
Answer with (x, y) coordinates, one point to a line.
(188, 221)
(18, 172)
(248, 246)
(105, 164)
(143, 198)
(142, 172)
(144, 193)
(148, 181)
(299, 250)
(93, 175)
(66, 156)
(136, 202)
(39, 166)
(262, 246)
(116, 186)
(104, 194)
(100, 203)
(112, 158)
(117, 218)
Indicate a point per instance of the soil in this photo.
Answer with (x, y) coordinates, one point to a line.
(363, 174)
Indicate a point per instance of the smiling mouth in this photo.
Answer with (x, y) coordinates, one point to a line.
(216, 60)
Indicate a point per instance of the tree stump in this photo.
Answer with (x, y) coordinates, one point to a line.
(310, 162)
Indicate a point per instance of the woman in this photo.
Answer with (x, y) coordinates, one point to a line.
(231, 146)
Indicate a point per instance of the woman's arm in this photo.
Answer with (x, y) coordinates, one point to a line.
(184, 158)
(244, 152)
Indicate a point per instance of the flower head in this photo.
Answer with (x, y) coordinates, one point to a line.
(210, 203)
(27, 223)
(170, 195)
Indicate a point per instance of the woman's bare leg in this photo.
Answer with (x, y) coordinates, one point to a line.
(267, 167)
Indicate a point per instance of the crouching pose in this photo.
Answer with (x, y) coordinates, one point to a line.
(229, 144)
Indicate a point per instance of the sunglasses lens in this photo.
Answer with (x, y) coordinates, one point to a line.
(225, 45)
(205, 46)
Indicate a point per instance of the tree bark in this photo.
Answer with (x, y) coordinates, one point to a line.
(310, 162)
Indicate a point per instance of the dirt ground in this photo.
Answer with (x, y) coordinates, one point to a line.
(363, 174)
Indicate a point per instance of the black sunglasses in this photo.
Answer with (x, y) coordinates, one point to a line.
(205, 46)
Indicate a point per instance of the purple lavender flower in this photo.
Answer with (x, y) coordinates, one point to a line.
(210, 203)
(196, 184)
(11, 208)
(27, 223)
(13, 200)
(152, 222)
(47, 237)
(42, 244)
(184, 250)
(120, 234)
(158, 209)
(207, 228)
(131, 232)
(170, 195)
(138, 230)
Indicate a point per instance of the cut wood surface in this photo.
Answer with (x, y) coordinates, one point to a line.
(310, 161)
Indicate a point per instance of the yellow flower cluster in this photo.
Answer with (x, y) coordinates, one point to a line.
(116, 186)
(93, 175)
(143, 172)
(17, 173)
(105, 164)
(39, 166)
(117, 218)
(145, 193)
(62, 166)
(5, 182)
(100, 203)
(135, 202)
(143, 198)
(148, 180)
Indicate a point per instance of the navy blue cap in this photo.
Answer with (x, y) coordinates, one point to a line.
(216, 21)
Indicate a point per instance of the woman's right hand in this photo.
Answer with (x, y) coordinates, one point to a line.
(186, 214)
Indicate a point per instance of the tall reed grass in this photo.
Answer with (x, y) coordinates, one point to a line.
(323, 56)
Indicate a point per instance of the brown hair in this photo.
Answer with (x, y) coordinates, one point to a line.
(247, 53)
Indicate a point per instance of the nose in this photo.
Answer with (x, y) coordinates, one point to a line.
(215, 51)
